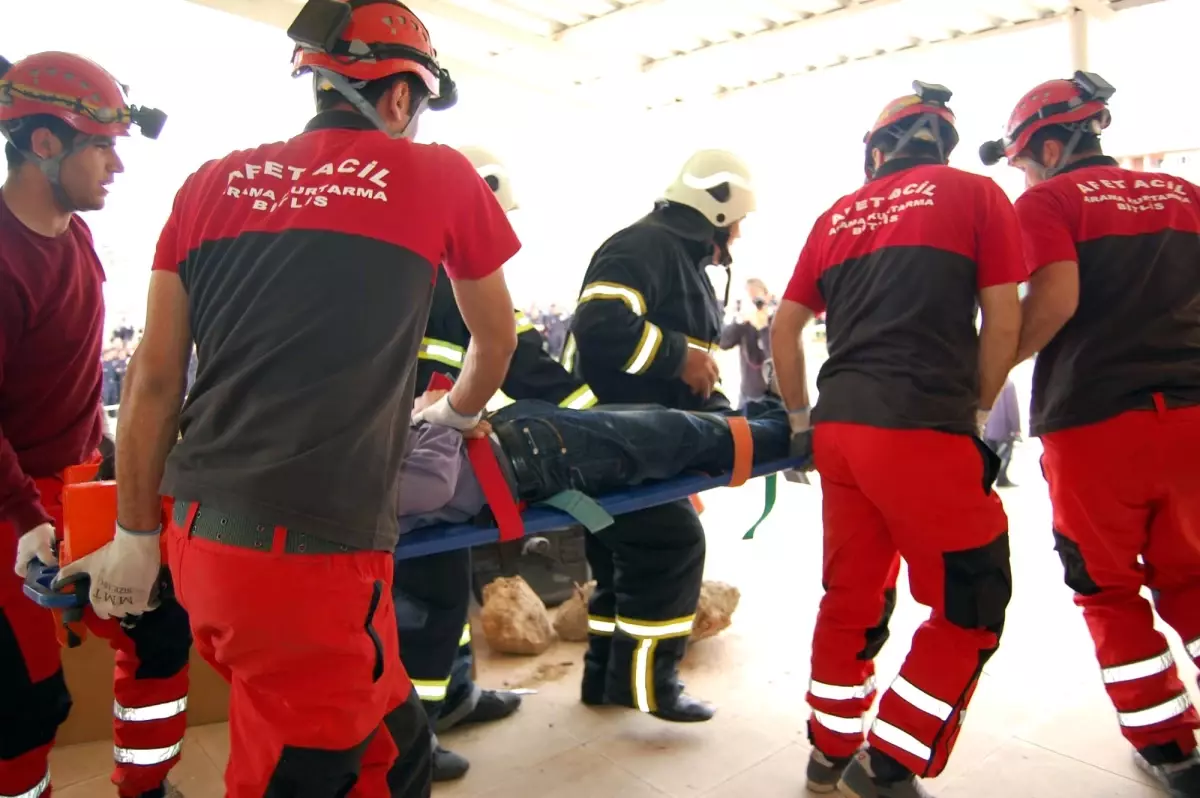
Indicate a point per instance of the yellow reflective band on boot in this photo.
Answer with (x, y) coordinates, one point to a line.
(35, 790)
(441, 352)
(598, 625)
(647, 348)
(168, 709)
(428, 690)
(465, 637)
(581, 399)
(648, 635)
(146, 756)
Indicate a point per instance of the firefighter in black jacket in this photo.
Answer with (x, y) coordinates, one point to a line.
(433, 593)
(646, 323)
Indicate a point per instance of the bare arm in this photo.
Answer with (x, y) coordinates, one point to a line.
(788, 353)
(1051, 302)
(154, 388)
(486, 309)
(998, 337)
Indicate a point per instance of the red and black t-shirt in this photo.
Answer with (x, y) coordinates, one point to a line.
(898, 266)
(309, 268)
(1136, 331)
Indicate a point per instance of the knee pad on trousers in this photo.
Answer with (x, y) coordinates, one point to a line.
(408, 724)
(1075, 572)
(162, 638)
(31, 717)
(878, 635)
(316, 772)
(978, 586)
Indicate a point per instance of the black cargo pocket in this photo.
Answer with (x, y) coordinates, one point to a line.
(1075, 572)
(978, 585)
(376, 596)
(991, 464)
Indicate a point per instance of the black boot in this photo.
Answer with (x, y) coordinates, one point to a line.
(492, 705)
(643, 675)
(1178, 773)
(595, 666)
(448, 766)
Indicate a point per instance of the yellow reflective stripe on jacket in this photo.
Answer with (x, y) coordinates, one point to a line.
(465, 637)
(696, 343)
(581, 399)
(604, 290)
(523, 322)
(568, 354)
(647, 348)
(441, 352)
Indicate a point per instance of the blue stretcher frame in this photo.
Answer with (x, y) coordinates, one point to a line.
(449, 537)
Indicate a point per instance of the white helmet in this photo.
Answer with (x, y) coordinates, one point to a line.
(716, 183)
(494, 174)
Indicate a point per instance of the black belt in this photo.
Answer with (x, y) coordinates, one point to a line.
(243, 532)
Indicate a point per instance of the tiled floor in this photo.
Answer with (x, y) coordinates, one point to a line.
(1040, 725)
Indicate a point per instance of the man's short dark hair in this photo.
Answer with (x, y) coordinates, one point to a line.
(22, 136)
(373, 91)
(1088, 144)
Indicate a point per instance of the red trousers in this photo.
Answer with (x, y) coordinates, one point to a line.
(924, 496)
(149, 687)
(308, 643)
(1124, 489)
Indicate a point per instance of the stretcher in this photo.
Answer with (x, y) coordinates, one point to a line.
(539, 518)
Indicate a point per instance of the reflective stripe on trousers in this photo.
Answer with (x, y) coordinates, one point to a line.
(837, 692)
(146, 714)
(648, 634)
(35, 790)
(923, 701)
(431, 689)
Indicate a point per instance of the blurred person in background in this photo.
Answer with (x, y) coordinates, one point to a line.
(750, 334)
(1003, 430)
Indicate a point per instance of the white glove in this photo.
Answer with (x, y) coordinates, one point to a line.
(123, 572)
(981, 419)
(36, 544)
(442, 412)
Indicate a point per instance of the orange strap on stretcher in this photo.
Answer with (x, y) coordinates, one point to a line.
(491, 478)
(743, 450)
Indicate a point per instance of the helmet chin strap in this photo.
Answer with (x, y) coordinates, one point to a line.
(51, 167)
(347, 90)
(1050, 170)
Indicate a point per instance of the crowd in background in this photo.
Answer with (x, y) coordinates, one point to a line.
(114, 361)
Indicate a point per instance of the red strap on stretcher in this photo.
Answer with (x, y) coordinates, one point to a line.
(491, 478)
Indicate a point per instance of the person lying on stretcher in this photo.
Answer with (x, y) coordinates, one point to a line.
(544, 449)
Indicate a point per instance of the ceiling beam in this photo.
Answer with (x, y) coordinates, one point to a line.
(737, 47)
(1096, 9)
(610, 23)
(918, 47)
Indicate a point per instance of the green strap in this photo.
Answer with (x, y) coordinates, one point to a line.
(769, 505)
(582, 508)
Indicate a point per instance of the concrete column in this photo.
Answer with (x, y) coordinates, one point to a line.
(1077, 22)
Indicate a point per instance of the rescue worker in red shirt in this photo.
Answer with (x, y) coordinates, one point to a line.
(303, 271)
(1113, 311)
(901, 266)
(60, 116)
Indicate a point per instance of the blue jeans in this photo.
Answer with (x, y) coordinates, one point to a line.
(596, 451)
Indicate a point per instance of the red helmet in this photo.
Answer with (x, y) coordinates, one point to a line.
(924, 107)
(71, 88)
(363, 40)
(1081, 100)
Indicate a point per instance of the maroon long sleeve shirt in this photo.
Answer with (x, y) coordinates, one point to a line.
(51, 332)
